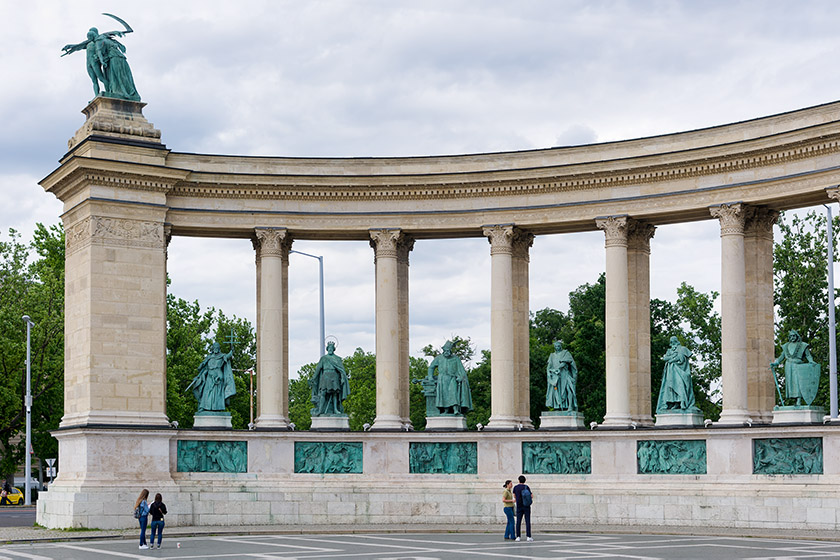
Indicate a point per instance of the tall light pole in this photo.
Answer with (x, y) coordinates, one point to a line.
(321, 272)
(28, 403)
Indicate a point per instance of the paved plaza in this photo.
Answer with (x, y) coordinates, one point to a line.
(433, 547)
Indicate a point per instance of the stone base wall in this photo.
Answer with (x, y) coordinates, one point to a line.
(385, 492)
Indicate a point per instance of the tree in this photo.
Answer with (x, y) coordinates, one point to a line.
(800, 266)
(34, 288)
(189, 334)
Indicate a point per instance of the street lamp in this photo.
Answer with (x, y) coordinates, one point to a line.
(28, 403)
(832, 350)
(321, 271)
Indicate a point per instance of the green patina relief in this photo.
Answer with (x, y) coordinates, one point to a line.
(671, 456)
(447, 458)
(557, 457)
(788, 456)
(328, 457)
(212, 456)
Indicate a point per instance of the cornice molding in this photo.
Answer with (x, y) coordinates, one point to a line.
(555, 179)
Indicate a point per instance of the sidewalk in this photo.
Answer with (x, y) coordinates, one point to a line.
(38, 534)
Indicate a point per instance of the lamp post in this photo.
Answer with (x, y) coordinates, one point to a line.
(28, 403)
(321, 273)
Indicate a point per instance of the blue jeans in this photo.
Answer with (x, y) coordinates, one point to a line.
(143, 520)
(526, 513)
(509, 529)
(156, 526)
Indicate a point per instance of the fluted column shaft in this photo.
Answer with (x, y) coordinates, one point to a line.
(733, 313)
(521, 244)
(758, 249)
(617, 327)
(388, 413)
(638, 273)
(273, 334)
(404, 247)
(503, 413)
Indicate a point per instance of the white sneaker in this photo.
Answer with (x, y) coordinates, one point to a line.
(517, 539)
(530, 539)
(143, 547)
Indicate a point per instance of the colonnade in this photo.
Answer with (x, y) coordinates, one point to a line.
(747, 336)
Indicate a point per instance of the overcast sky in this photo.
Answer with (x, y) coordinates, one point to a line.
(392, 78)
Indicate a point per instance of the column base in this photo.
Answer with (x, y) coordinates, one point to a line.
(272, 422)
(734, 418)
(798, 415)
(504, 423)
(617, 421)
(387, 424)
(330, 423)
(684, 419)
(446, 423)
(552, 420)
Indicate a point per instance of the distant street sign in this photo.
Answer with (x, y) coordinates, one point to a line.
(50, 462)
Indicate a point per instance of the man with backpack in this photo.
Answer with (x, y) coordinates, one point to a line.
(524, 499)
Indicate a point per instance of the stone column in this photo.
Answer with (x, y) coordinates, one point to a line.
(733, 313)
(639, 235)
(521, 245)
(404, 247)
(617, 327)
(272, 329)
(388, 409)
(758, 261)
(503, 412)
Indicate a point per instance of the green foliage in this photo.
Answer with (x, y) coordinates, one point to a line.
(461, 347)
(33, 287)
(587, 343)
(479, 378)
(300, 398)
(361, 404)
(800, 270)
(190, 333)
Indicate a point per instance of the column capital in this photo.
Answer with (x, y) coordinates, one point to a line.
(500, 238)
(521, 243)
(615, 230)
(385, 242)
(833, 193)
(731, 216)
(759, 221)
(639, 235)
(405, 245)
(273, 242)
(167, 233)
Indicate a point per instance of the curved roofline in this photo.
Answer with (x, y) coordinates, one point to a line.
(526, 151)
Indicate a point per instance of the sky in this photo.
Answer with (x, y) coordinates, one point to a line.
(402, 78)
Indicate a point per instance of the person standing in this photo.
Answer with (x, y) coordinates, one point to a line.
(4, 494)
(157, 511)
(508, 501)
(141, 509)
(524, 499)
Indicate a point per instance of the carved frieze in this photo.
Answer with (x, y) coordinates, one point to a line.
(328, 457)
(212, 456)
(115, 232)
(788, 455)
(671, 456)
(556, 457)
(443, 457)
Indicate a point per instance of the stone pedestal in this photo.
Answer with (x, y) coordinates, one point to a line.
(557, 419)
(798, 415)
(681, 419)
(213, 420)
(330, 423)
(446, 423)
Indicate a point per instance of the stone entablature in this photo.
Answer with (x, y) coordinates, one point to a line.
(781, 162)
